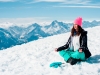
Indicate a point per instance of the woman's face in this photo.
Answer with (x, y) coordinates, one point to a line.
(75, 26)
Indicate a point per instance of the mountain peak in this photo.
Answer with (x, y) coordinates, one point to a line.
(35, 25)
(54, 22)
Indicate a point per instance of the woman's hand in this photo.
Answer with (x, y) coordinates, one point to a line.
(56, 50)
(80, 50)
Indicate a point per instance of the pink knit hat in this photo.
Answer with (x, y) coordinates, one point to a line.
(78, 21)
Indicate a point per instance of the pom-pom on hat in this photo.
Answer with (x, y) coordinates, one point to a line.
(78, 21)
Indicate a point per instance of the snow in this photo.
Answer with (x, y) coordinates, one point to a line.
(34, 58)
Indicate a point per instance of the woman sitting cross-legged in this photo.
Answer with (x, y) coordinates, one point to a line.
(76, 47)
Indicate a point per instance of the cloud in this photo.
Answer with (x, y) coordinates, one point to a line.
(50, 0)
(25, 21)
(74, 3)
(78, 6)
(64, 1)
(7, 0)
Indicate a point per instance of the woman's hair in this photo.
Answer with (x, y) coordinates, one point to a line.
(77, 32)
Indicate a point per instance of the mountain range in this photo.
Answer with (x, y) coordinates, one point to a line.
(15, 35)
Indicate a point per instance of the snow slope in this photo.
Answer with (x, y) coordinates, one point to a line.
(35, 57)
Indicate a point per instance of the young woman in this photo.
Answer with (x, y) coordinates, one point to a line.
(76, 47)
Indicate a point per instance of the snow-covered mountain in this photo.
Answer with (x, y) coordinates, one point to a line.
(35, 57)
(16, 31)
(87, 24)
(56, 28)
(6, 39)
(36, 31)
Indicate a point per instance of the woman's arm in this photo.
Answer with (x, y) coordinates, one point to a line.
(83, 44)
(65, 46)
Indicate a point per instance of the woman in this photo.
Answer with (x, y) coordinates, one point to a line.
(76, 47)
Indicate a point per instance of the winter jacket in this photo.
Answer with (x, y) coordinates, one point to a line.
(83, 44)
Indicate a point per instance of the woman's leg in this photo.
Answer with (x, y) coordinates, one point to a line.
(78, 55)
(62, 53)
(66, 54)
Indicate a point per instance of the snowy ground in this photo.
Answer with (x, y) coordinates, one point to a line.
(35, 57)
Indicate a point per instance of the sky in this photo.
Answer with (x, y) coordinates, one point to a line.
(35, 57)
(45, 11)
